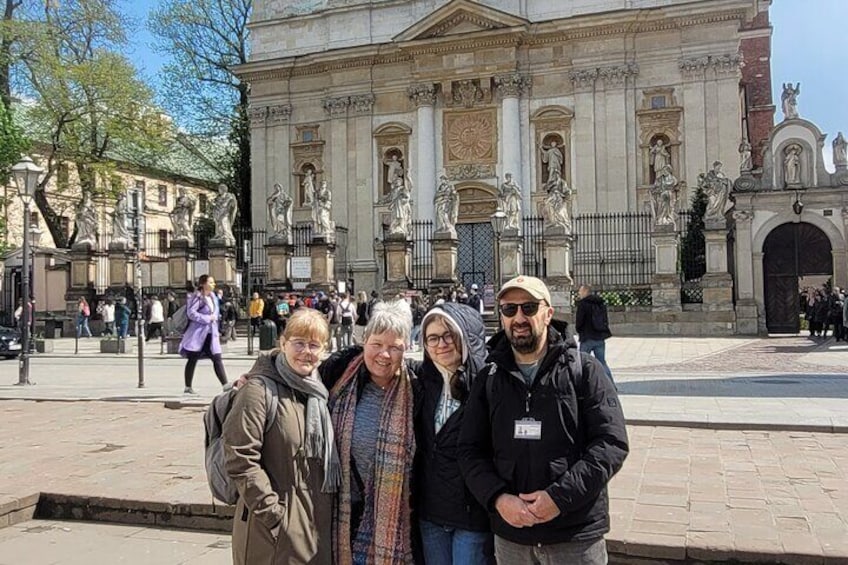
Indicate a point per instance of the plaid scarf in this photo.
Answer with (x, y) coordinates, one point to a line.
(384, 537)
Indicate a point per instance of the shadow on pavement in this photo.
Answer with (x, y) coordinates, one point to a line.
(761, 386)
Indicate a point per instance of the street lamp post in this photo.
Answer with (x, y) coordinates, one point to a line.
(248, 257)
(26, 174)
(139, 302)
(498, 220)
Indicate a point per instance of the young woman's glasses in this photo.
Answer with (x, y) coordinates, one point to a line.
(433, 340)
(299, 346)
(510, 309)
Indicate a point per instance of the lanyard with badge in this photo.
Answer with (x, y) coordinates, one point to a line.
(528, 427)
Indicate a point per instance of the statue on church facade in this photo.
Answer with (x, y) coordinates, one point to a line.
(554, 207)
(745, 163)
(664, 198)
(789, 100)
(792, 165)
(716, 186)
(660, 157)
(552, 155)
(86, 223)
(120, 232)
(400, 209)
(224, 210)
(446, 204)
(182, 217)
(840, 151)
(280, 215)
(510, 202)
(394, 170)
(321, 202)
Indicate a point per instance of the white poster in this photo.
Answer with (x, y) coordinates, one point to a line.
(301, 268)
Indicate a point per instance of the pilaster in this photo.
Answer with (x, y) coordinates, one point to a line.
(423, 96)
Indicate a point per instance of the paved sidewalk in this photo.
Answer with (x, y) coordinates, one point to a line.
(683, 493)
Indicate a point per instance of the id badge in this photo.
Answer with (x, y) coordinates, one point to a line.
(528, 428)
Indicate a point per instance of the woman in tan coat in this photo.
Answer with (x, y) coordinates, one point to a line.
(287, 477)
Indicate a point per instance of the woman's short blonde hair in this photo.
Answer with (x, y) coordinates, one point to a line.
(307, 323)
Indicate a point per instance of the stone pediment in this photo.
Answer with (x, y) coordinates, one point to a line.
(460, 17)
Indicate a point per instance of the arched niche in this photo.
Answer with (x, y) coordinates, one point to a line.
(551, 123)
(477, 201)
(392, 140)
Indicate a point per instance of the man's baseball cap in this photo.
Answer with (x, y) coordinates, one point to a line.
(474, 286)
(531, 285)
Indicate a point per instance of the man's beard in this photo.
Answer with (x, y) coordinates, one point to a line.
(524, 343)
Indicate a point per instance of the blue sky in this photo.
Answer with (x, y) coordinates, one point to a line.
(806, 47)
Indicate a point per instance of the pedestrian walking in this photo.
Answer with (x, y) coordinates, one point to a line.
(418, 311)
(592, 324)
(229, 313)
(474, 299)
(454, 527)
(156, 319)
(106, 309)
(361, 318)
(83, 315)
(284, 517)
(254, 310)
(122, 318)
(171, 308)
(202, 337)
(347, 319)
(834, 314)
(542, 435)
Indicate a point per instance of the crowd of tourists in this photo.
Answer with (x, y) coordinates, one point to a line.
(825, 309)
(482, 452)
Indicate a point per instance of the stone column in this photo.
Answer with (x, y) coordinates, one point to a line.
(445, 245)
(398, 262)
(717, 283)
(558, 260)
(510, 88)
(121, 266)
(222, 266)
(279, 263)
(665, 287)
(746, 305)
(424, 98)
(180, 265)
(258, 179)
(322, 251)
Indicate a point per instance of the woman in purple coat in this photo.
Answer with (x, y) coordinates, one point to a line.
(201, 338)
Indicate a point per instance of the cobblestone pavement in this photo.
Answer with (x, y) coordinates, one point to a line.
(682, 492)
(79, 543)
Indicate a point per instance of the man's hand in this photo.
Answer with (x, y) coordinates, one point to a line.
(514, 511)
(541, 505)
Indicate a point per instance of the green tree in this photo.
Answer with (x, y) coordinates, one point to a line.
(205, 39)
(694, 248)
(89, 104)
(12, 145)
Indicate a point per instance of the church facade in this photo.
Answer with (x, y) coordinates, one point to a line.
(350, 90)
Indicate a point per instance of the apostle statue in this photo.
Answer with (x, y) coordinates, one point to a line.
(554, 207)
(446, 204)
(321, 202)
(552, 155)
(660, 157)
(280, 215)
(394, 170)
(224, 210)
(120, 233)
(745, 163)
(509, 201)
(840, 151)
(86, 223)
(792, 165)
(716, 186)
(664, 198)
(400, 209)
(789, 101)
(182, 217)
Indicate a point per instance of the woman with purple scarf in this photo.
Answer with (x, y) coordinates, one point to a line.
(202, 338)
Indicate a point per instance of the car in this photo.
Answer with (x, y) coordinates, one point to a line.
(10, 342)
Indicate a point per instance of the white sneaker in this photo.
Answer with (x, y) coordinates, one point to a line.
(189, 390)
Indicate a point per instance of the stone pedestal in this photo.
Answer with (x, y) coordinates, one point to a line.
(747, 317)
(717, 283)
(445, 247)
(279, 262)
(665, 286)
(121, 266)
(322, 251)
(557, 262)
(510, 254)
(181, 274)
(398, 261)
(83, 276)
(222, 267)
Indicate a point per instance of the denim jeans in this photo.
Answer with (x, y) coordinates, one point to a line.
(572, 553)
(123, 329)
(444, 545)
(598, 348)
(82, 326)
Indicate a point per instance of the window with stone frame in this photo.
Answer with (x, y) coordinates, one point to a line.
(163, 195)
(65, 226)
(163, 240)
(204, 203)
(34, 219)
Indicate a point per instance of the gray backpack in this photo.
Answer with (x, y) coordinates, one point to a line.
(222, 486)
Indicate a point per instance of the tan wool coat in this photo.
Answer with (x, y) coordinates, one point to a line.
(282, 517)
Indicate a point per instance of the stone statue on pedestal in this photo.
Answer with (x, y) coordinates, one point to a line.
(664, 198)
(789, 101)
(120, 233)
(395, 170)
(716, 186)
(745, 163)
(224, 211)
(321, 201)
(552, 155)
(446, 204)
(182, 217)
(86, 223)
(400, 209)
(510, 202)
(554, 208)
(280, 215)
(840, 151)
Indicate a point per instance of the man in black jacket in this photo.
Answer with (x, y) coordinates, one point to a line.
(540, 440)
(592, 324)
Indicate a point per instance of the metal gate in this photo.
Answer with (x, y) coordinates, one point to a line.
(791, 251)
(476, 254)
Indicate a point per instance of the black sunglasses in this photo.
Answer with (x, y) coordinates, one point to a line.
(510, 309)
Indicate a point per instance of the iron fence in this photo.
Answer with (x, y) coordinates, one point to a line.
(614, 253)
(692, 258)
(533, 250)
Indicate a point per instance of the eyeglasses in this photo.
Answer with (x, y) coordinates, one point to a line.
(434, 339)
(392, 350)
(300, 346)
(510, 309)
